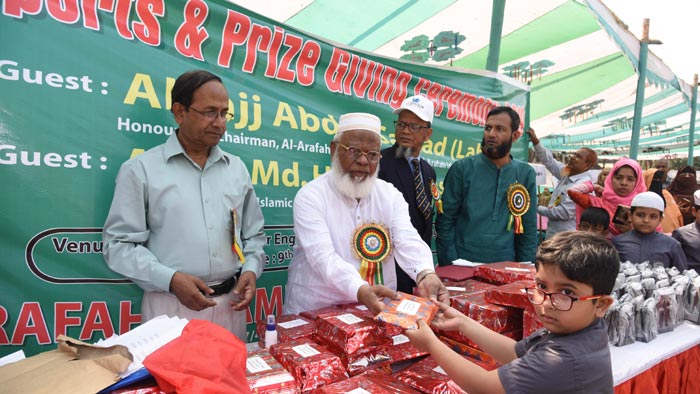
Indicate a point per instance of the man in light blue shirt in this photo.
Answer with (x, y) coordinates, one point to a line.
(185, 224)
(560, 209)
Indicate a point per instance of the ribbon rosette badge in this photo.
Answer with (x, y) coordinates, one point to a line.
(518, 204)
(372, 245)
(436, 195)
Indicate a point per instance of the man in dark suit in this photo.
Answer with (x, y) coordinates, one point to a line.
(398, 166)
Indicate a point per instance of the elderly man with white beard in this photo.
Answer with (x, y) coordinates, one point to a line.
(350, 226)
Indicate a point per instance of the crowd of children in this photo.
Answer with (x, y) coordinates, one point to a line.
(576, 272)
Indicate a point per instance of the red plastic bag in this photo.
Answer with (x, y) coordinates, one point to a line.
(205, 359)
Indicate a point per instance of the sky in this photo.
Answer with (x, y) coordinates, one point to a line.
(674, 22)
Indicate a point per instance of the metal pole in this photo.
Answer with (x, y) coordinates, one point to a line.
(641, 82)
(693, 108)
(499, 7)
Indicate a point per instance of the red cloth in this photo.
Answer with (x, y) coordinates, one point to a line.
(677, 374)
(205, 359)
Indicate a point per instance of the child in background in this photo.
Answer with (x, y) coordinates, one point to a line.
(625, 182)
(595, 220)
(673, 218)
(576, 272)
(644, 243)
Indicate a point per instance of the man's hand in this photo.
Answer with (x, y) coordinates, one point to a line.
(245, 289)
(188, 289)
(533, 137)
(423, 337)
(432, 287)
(371, 296)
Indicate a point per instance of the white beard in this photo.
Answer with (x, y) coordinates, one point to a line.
(347, 185)
(403, 152)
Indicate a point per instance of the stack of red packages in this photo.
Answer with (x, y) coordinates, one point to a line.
(505, 272)
(531, 323)
(347, 332)
(495, 317)
(311, 364)
(267, 376)
(369, 382)
(405, 311)
(469, 286)
(511, 294)
(489, 362)
(289, 328)
(401, 349)
(427, 377)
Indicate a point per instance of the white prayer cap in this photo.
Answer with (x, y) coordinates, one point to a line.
(359, 121)
(648, 200)
(696, 197)
(419, 105)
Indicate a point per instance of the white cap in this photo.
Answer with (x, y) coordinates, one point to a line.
(359, 121)
(696, 197)
(648, 200)
(419, 105)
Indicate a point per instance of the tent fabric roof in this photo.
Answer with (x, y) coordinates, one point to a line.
(578, 56)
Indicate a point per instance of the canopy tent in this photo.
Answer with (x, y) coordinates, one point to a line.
(579, 58)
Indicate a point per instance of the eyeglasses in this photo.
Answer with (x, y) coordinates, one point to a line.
(414, 127)
(561, 302)
(354, 153)
(214, 115)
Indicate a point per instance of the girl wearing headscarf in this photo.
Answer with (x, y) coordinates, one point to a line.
(625, 182)
(654, 179)
(682, 188)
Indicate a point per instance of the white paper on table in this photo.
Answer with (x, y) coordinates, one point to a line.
(146, 339)
(465, 263)
(13, 357)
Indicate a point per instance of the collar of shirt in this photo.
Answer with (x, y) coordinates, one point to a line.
(410, 162)
(173, 148)
(577, 177)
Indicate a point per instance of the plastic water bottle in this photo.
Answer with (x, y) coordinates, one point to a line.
(270, 331)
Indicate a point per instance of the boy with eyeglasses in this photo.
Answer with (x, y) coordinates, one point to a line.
(643, 242)
(575, 275)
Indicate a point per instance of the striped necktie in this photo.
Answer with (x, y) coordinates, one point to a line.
(422, 202)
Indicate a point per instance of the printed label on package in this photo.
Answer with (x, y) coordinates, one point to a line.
(306, 350)
(399, 339)
(408, 307)
(256, 364)
(349, 318)
(293, 323)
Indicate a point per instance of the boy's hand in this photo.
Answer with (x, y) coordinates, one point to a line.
(422, 337)
(449, 318)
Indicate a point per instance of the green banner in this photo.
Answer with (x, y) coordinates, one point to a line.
(85, 85)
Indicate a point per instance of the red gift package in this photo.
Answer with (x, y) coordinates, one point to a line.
(505, 272)
(530, 323)
(401, 349)
(427, 377)
(311, 364)
(489, 363)
(358, 309)
(376, 358)
(368, 383)
(495, 317)
(267, 376)
(314, 314)
(516, 334)
(512, 294)
(406, 310)
(347, 332)
(468, 287)
(289, 327)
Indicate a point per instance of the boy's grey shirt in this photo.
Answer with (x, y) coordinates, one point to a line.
(551, 363)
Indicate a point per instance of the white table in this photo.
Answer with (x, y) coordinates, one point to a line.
(631, 360)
